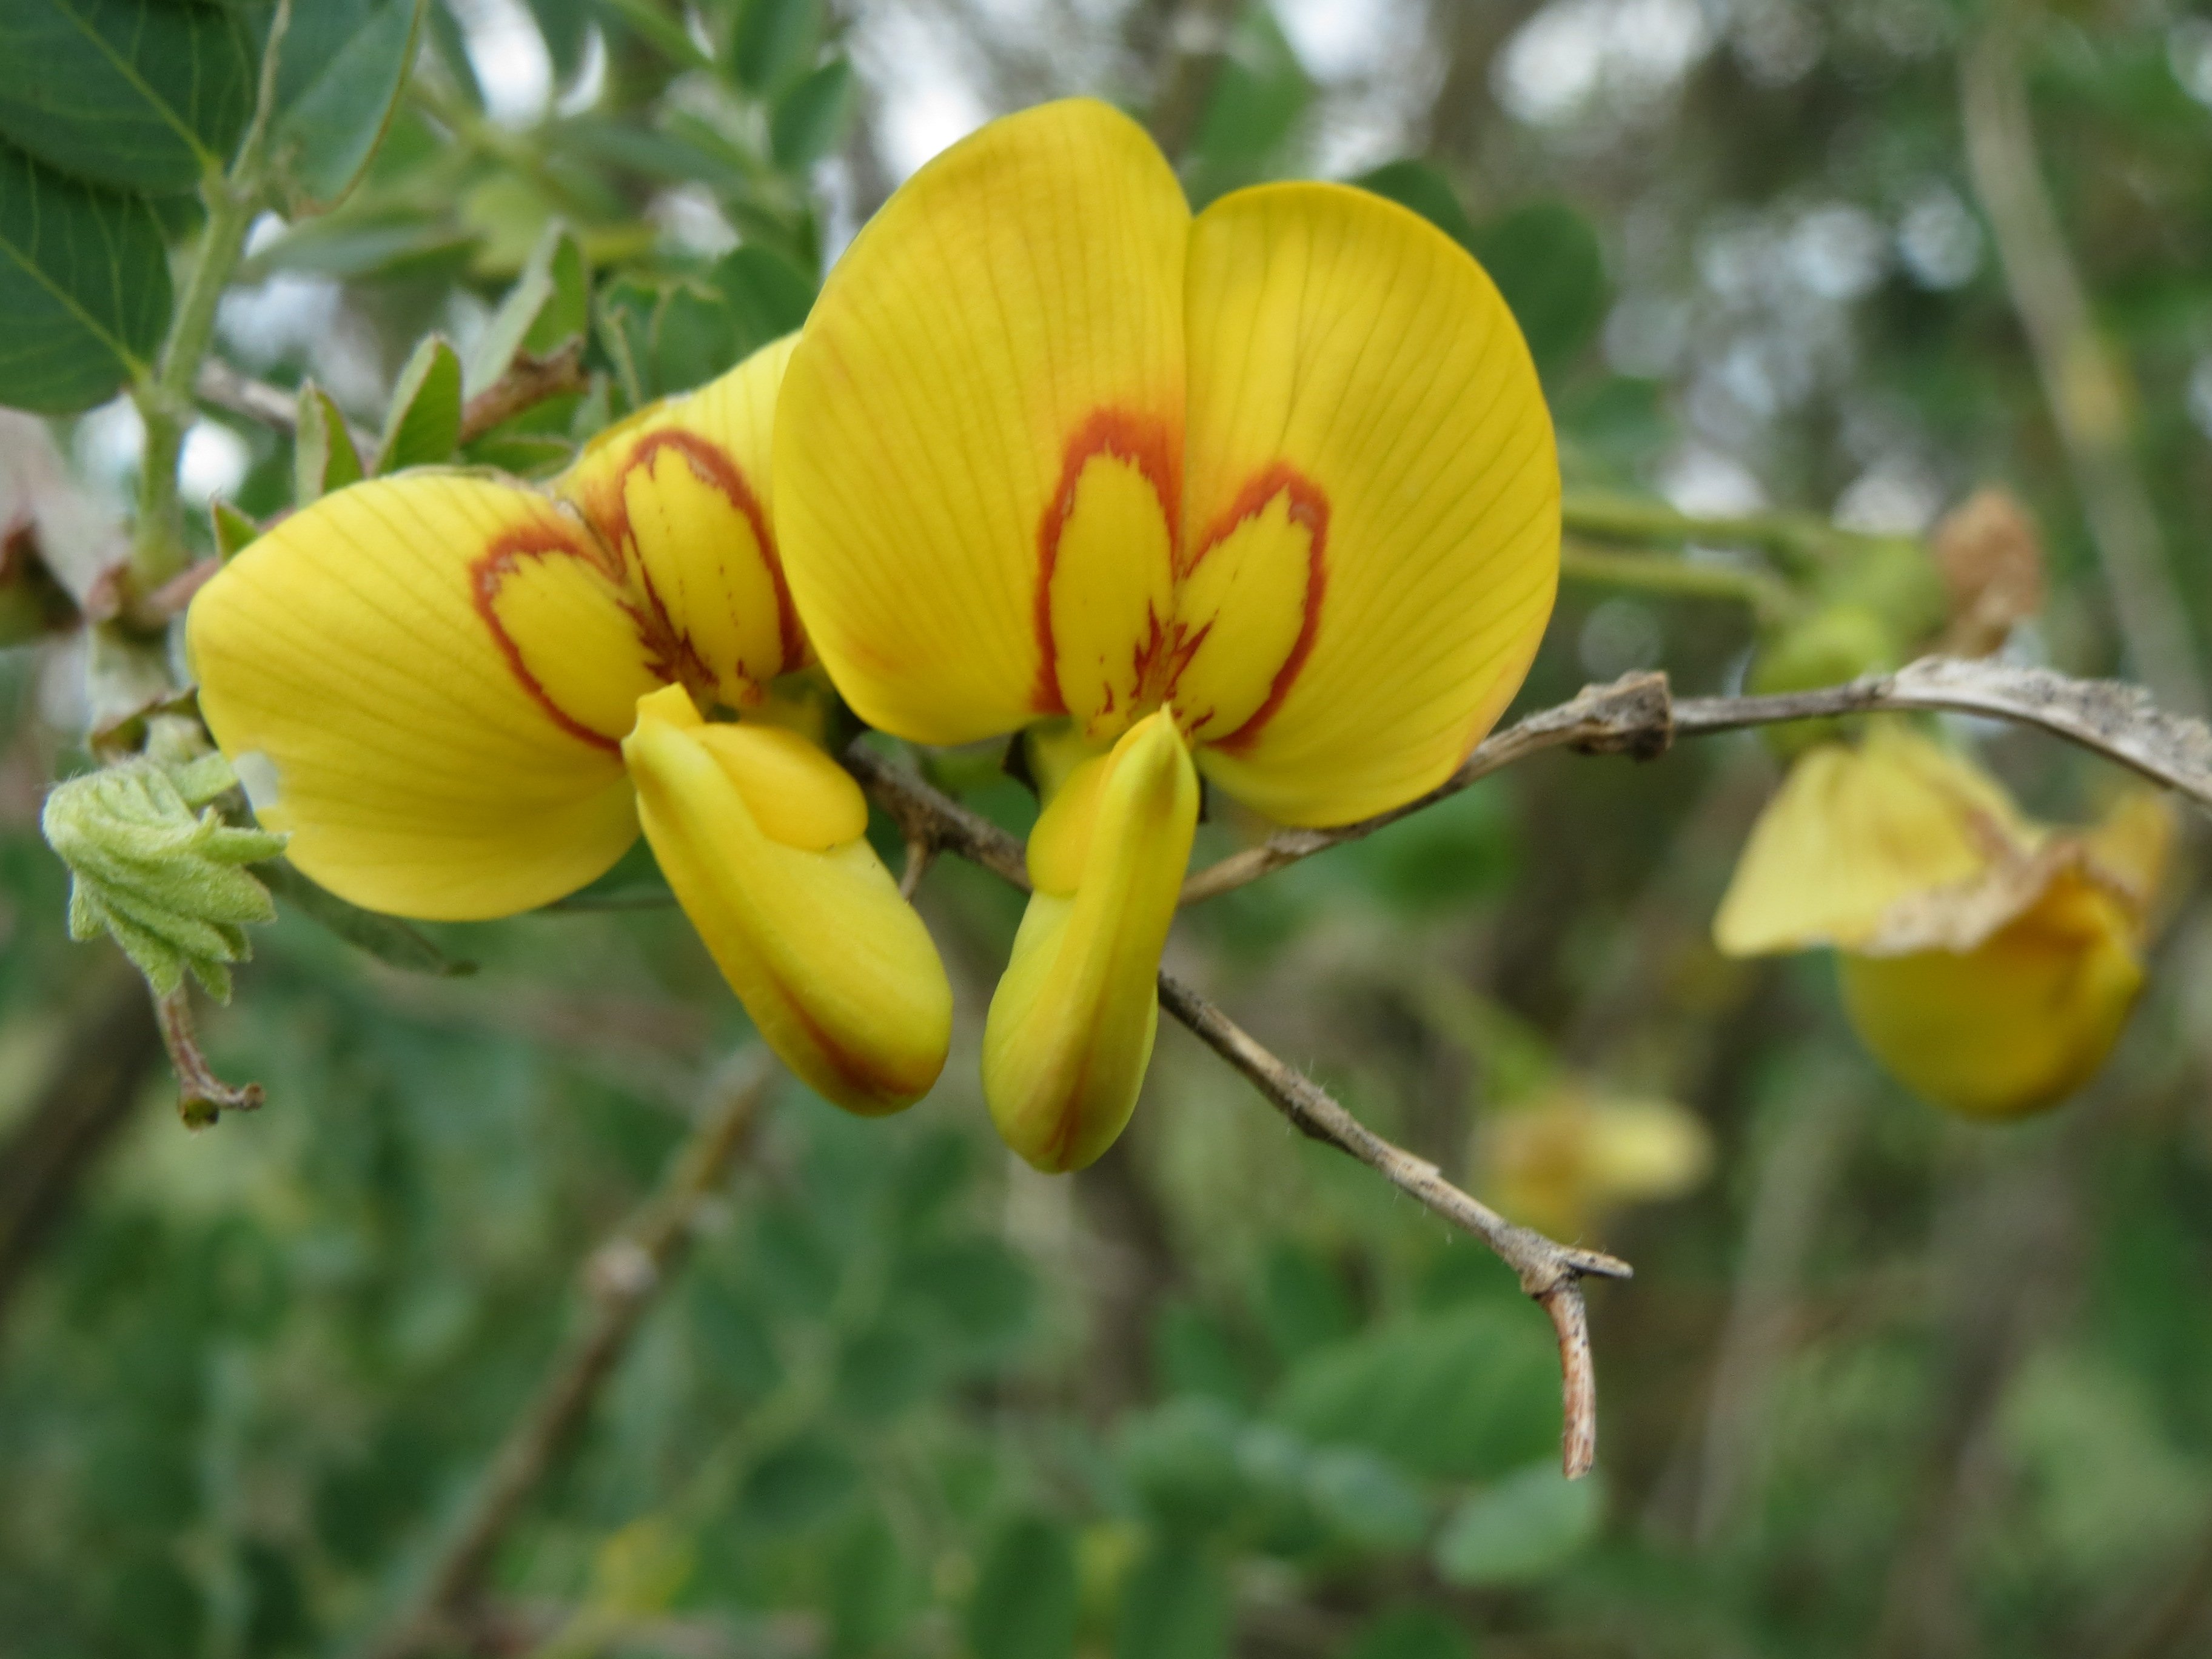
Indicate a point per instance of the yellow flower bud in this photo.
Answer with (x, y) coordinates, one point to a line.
(1071, 1026)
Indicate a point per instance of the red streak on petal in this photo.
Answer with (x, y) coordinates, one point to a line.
(1309, 507)
(490, 572)
(1145, 442)
(714, 468)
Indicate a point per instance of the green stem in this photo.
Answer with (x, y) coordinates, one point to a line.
(1800, 543)
(165, 398)
(1769, 598)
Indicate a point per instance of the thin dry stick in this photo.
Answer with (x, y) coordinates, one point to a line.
(621, 1278)
(2084, 385)
(1636, 715)
(1550, 1272)
(529, 381)
(202, 1097)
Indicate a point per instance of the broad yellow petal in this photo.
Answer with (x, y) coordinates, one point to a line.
(762, 836)
(425, 680)
(679, 492)
(1854, 833)
(2011, 1027)
(990, 389)
(1071, 1027)
(1371, 515)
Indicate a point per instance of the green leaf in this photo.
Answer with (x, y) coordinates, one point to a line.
(424, 425)
(693, 337)
(1175, 1606)
(1412, 1633)
(1467, 1393)
(801, 1485)
(525, 454)
(146, 95)
(1025, 1604)
(811, 115)
(1423, 187)
(551, 281)
(566, 25)
(769, 296)
(1258, 96)
(84, 289)
(1531, 1523)
(1302, 1302)
(153, 863)
(323, 457)
(1364, 1500)
(566, 314)
(1181, 1461)
(233, 532)
(357, 247)
(392, 942)
(339, 74)
(1545, 259)
(775, 39)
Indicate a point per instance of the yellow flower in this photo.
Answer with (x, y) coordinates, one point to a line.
(1989, 962)
(458, 697)
(1561, 1161)
(1268, 495)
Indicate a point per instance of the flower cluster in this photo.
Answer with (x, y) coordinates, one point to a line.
(1266, 497)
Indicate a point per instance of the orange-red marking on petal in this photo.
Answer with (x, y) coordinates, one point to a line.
(1309, 509)
(490, 571)
(1145, 443)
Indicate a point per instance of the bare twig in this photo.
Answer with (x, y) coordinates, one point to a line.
(530, 381)
(934, 819)
(202, 1097)
(620, 1280)
(1637, 715)
(2083, 383)
(1550, 1272)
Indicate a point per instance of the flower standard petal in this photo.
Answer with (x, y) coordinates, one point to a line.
(1071, 1026)
(1371, 530)
(990, 389)
(424, 680)
(1856, 831)
(679, 493)
(763, 838)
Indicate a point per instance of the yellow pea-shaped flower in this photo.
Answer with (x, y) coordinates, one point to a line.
(1989, 962)
(1273, 485)
(460, 697)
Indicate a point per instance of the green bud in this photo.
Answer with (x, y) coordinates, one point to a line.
(155, 866)
(1835, 644)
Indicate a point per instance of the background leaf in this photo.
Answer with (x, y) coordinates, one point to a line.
(425, 422)
(343, 67)
(1530, 1523)
(84, 289)
(1546, 261)
(140, 95)
(1024, 1605)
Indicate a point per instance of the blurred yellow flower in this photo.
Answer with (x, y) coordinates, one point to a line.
(1560, 1160)
(1989, 962)
(459, 695)
(1267, 494)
